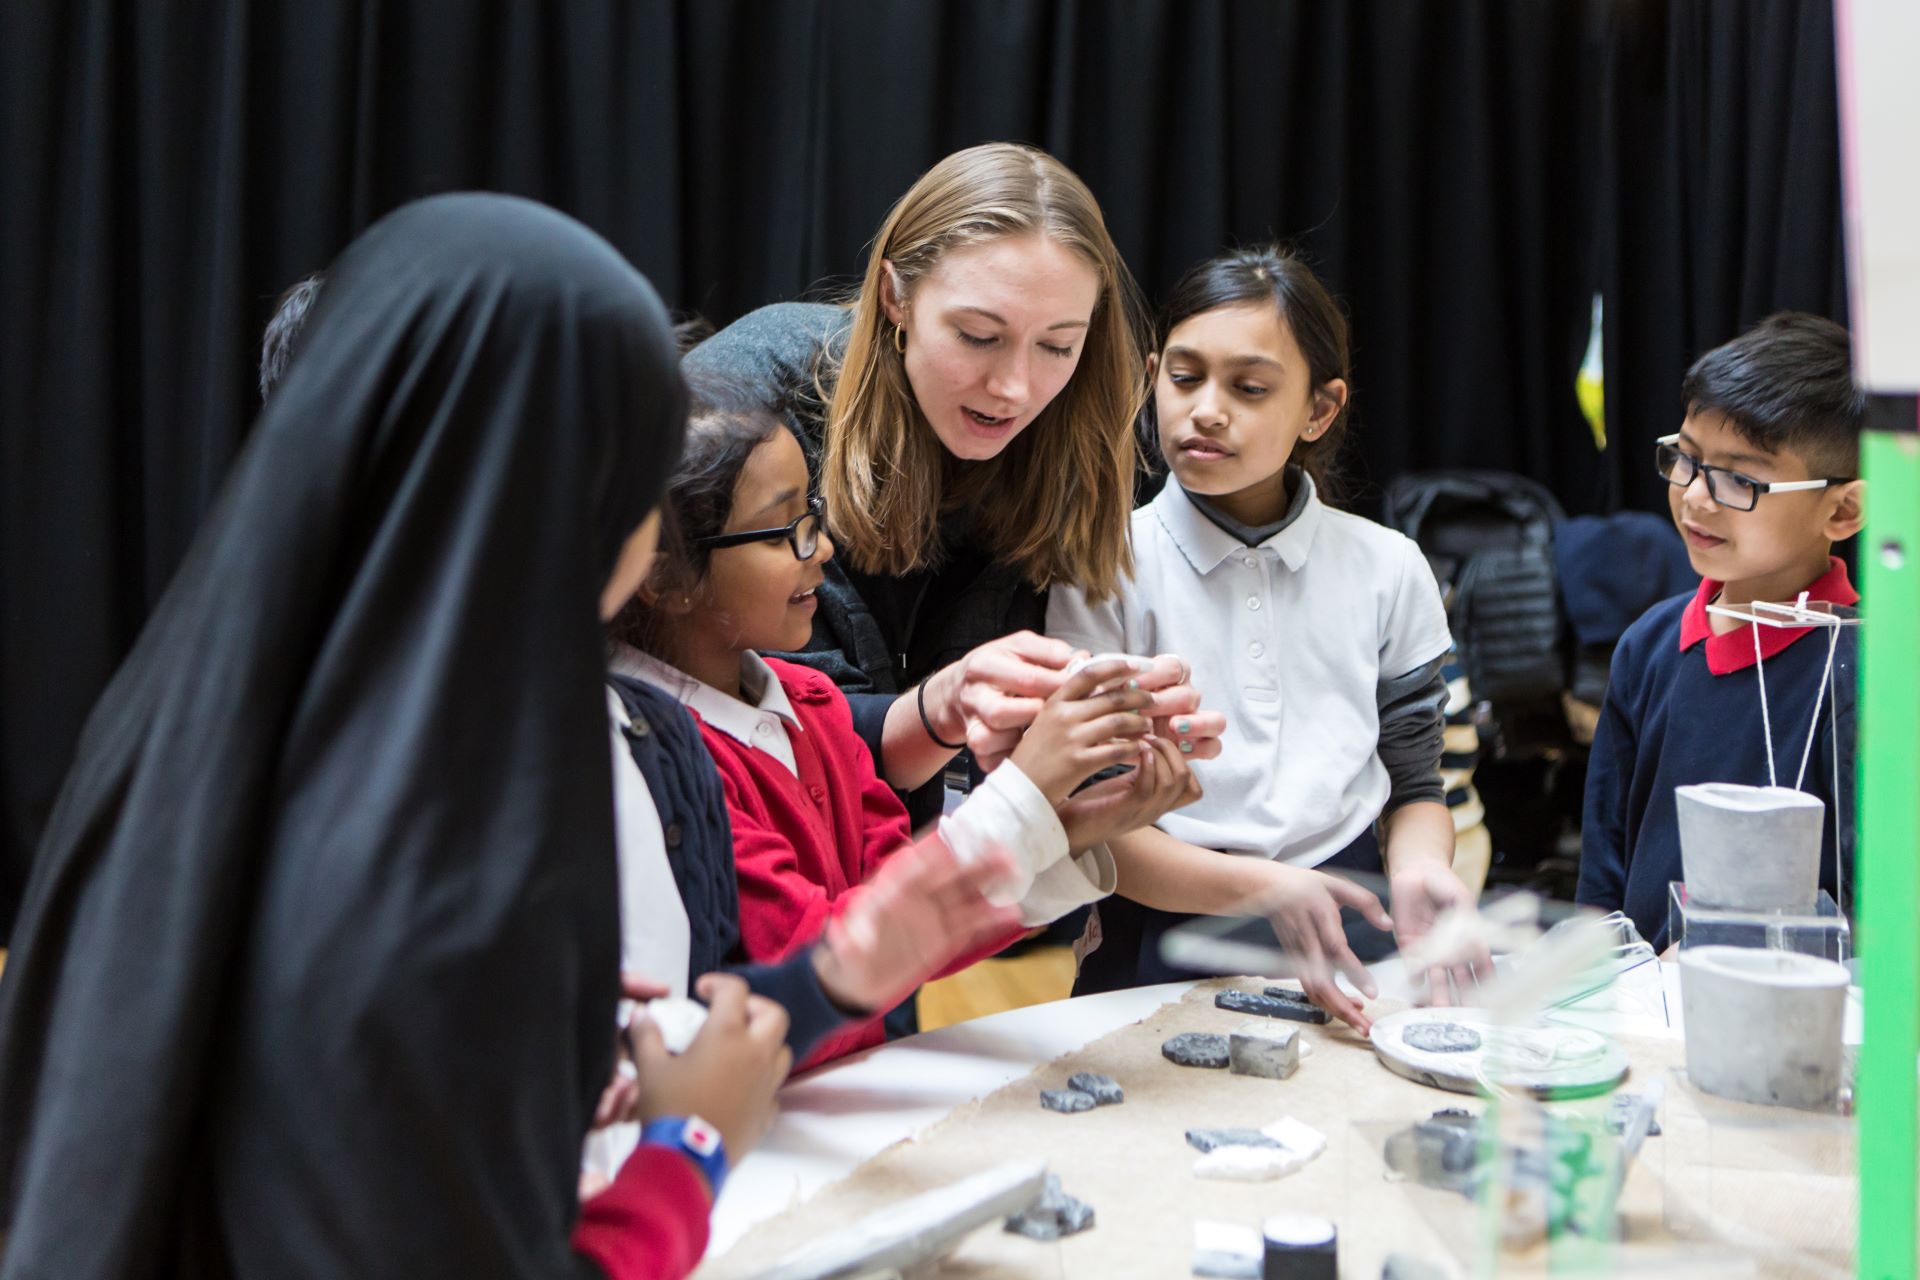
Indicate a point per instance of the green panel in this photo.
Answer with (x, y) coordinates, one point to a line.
(1888, 884)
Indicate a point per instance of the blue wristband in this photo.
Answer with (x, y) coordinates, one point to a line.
(696, 1139)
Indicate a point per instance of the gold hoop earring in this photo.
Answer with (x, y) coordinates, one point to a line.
(900, 339)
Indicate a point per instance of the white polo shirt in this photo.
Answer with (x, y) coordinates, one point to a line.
(1290, 639)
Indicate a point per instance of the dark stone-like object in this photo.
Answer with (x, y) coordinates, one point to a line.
(1436, 1153)
(1104, 1090)
(1066, 1100)
(1268, 1007)
(1205, 1140)
(1621, 1107)
(1053, 1215)
(1441, 1037)
(1309, 1011)
(1196, 1049)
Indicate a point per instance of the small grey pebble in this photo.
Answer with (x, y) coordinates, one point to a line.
(1053, 1215)
(1066, 1100)
(1441, 1037)
(1104, 1090)
(1205, 1140)
(1196, 1049)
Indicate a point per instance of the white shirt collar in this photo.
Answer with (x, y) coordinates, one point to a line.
(1205, 544)
(732, 716)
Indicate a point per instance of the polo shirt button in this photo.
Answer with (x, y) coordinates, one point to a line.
(763, 728)
(1256, 649)
(818, 792)
(1253, 603)
(673, 835)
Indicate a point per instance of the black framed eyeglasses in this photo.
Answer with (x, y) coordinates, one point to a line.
(803, 535)
(1730, 489)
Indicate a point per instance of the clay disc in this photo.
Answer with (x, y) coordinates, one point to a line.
(1546, 1060)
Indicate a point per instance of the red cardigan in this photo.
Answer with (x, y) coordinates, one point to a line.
(802, 845)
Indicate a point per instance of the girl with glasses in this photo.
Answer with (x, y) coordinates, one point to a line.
(812, 821)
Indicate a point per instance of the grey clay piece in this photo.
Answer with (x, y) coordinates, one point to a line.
(1205, 1140)
(1053, 1215)
(1066, 1100)
(1104, 1090)
(1268, 1006)
(1196, 1049)
(1441, 1037)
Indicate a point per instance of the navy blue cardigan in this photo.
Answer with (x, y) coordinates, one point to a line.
(685, 786)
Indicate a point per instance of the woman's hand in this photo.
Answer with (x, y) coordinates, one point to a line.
(1159, 784)
(988, 697)
(1078, 731)
(921, 911)
(1304, 908)
(730, 1073)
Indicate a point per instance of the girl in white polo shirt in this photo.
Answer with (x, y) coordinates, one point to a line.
(1319, 633)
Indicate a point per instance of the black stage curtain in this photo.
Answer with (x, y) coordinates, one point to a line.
(1466, 173)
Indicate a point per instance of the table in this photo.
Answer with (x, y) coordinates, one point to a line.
(838, 1117)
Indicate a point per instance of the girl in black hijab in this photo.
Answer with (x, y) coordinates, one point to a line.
(317, 970)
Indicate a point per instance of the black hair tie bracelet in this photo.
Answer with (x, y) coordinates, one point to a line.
(920, 697)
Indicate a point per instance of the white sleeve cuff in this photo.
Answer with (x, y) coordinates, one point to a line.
(1008, 812)
(1087, 876)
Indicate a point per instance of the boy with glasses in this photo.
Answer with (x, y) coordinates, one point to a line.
(1763, 483)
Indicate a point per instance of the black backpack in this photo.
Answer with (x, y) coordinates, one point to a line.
(1489, 537)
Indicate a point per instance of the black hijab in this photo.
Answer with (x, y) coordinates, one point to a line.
(317, 968)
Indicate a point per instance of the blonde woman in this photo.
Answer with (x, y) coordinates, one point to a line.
(967, 418)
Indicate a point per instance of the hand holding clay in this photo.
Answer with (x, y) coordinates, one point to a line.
(1421, 893)
(921, 911)
(1159, 784)
(988, 697)
(1092, 721)
(1304, 908)
(620, 1100)
(729, 1074)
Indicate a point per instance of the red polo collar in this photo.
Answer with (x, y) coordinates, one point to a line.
(1733, 651)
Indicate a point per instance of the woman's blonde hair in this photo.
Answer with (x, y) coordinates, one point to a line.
(1055, 502)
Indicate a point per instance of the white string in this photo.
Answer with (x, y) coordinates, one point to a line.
(1839, 854)
(1766, 722)
(1820, 692)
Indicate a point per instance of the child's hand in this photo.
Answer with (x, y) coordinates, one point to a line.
(1304, 908)
(1175, 709)
(1421, 892)
(1160, 784)
(921, 911)
(1078, 732)
(729, 1074)
(620, 1100)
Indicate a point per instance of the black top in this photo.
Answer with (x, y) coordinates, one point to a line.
(680, 775)
(317, 970)
(874, 635)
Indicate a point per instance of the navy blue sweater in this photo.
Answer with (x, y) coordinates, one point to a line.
(1676, 715)
(685, 786)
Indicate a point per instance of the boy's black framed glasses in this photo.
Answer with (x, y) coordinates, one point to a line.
(803, 535)
(1729, 489)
